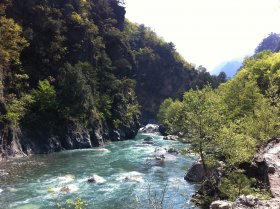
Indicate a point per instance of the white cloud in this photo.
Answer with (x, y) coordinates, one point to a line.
(207, 32)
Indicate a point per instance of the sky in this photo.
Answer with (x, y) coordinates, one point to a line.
(208, 32)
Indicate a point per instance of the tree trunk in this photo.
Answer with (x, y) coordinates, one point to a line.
(1, 83)
(202, 156)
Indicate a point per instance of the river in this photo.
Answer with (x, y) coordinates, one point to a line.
(33, 182)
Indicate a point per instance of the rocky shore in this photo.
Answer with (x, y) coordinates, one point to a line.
(269, 157)
(22, 141)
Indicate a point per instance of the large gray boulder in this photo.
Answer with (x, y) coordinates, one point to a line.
(221, 204)
(196, 173)
(96, 179)
(148, 142)
(173, 151)
(150, 128)
(242, 202)
(171, 137)
(249, 201)
(148, 139)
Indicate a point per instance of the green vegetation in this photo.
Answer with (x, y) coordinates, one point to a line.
(68, 70)
(229, 123)
(81, 64)
(74, 65)
(78, 203)
(236, 184)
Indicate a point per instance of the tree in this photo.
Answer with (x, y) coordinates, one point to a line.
(233, 145)
(240, 95)
(203, 116)
(76, 88)
(45, 97)
(11, 44)
(174, 117)
(161, 116)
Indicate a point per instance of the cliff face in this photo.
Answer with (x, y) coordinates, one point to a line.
(72, 86)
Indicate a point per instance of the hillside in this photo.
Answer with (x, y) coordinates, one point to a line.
(271, 42)
(75, 74)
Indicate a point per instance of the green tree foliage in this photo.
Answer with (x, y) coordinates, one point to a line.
(45, 97)
(172, 116)
(233, 145)
(16, 109)
(162, 114)
(241, 96)
(203, 116)
(11, 44)
(11, 41)
(230, 123)
(236, 184)
(78, 203)
(76, 86)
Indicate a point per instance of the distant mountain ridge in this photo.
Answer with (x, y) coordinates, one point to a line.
(271, 42)
(230, 68)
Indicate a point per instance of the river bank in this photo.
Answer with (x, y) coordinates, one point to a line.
(267, 160)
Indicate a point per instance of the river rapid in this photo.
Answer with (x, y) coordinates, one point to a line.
(133, 177)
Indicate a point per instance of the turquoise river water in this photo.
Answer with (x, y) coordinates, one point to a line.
(133, 177)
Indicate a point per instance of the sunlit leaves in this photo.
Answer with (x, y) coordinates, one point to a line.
(11, 41)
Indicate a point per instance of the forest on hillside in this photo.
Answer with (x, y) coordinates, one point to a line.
(228, 125)
(77, 69)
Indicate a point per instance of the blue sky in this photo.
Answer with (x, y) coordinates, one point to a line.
(208, 32)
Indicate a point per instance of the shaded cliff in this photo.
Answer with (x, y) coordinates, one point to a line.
(66, 90)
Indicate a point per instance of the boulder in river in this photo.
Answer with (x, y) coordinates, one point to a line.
(271, 169)
(102, 150)
(148, 139)
(196, 173)
(160, 151)
(65, 189)
(171, 137)
(134, 176)
(66, 178)
(150, 128)
(249, 200)
(96, 179)
(173, 151)
(148, 142)
(162, 130)
(160, 157)
(221, 204)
